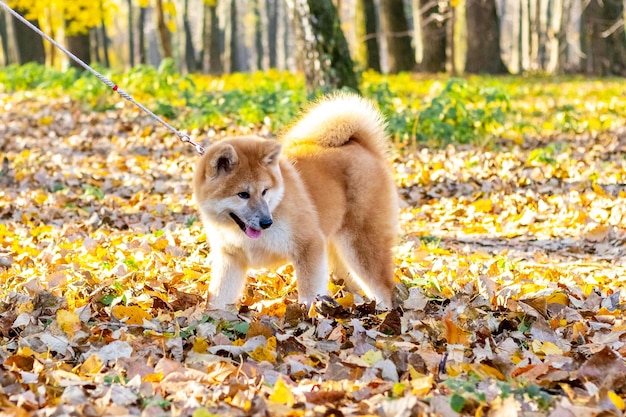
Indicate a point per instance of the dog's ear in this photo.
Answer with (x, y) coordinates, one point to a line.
(223, 160)
(271, 152)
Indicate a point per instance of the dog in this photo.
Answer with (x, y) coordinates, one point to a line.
(322, 197)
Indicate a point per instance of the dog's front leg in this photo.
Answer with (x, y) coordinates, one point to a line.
(311, 267)
(228, 277)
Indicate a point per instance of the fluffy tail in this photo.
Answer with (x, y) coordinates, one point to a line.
(338, 118)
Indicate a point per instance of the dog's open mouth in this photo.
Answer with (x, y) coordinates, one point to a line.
(249, 231)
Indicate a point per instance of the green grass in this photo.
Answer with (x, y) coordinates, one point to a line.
(429, 110)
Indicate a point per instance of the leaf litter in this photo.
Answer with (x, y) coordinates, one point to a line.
(511, 266)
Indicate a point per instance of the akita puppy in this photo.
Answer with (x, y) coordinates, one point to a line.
(321, 196)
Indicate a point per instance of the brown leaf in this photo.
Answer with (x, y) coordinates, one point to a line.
(258, 329)
(392, 324)
(183, 300)
(324, 397)
(605, 369)
(454, 334)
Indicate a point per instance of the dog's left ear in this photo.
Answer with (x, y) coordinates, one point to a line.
(271, 151)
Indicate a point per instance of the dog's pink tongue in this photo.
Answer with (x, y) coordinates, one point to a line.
(253, 233)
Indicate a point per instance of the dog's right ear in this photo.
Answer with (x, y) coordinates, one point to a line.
(223, 160)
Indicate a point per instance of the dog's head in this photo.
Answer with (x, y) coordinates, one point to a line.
(238, 182)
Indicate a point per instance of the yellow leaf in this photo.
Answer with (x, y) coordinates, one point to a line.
(617, 401)
(26, 307)
(26, 352)
(68, 321)
(372, 356)
(547, 348)
(40, 198)
(282, 394)
(160, 244)
(398, 389)
(158, 377)
(422, 386)
(202, 412)
(491, 371)
(598, 189)
(484, 205)
(605, 312)
(91, 366)
(262, 353)
(45, 121)
(271, 343)
(200, 345)
(191, 274)
(347, 301)
(414, 374)
(144, 3)
(558, 298)
(130, 314)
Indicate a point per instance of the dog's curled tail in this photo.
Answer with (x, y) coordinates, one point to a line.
(338, 118)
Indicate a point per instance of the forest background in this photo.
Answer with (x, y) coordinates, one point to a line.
(475, 36)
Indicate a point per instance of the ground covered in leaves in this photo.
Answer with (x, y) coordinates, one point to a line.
(513, 257)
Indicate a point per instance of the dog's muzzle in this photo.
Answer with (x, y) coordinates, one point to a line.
(265, 223)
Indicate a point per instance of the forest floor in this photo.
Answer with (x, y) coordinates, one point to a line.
(514, 259)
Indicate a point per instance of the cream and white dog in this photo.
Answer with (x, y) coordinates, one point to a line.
(322, 197)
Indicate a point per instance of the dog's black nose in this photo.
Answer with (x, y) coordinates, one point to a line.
(265, 223)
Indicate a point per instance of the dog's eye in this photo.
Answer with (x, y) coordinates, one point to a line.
(244, 195)
(264, 192)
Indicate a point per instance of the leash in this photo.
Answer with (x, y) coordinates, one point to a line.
(183, 138)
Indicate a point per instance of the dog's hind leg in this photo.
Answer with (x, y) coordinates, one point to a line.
(340, 270)
(370, 262)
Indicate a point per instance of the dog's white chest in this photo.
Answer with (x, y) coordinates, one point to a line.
(272, 249)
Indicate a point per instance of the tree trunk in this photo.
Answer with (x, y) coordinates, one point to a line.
(395, 26)
(322, 50)
(603, 38)
(542, 35)
(271, 11)
(534, 34)
(525, 35)
(260, 35)
(232, 51)
(29, 44)
(211, 54)
(141, 32)
(483, 38)
(165, 37)
(555, 19)
(105, 40)
(190, 53)
(4, 37)
(80, 45)
(451, 62)
(372, 54)
(434, 36)
(284, 37)
(131, 35)
(94, 39)
(564, 63)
